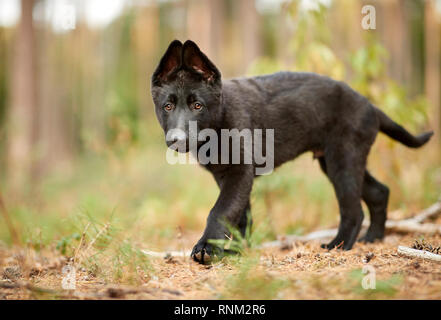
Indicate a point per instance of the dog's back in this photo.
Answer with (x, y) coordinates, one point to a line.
(305, 110)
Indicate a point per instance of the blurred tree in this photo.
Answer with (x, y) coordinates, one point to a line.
(22, 109)
(199, 23)
(205, 20)
(415, 15)
(122, 86)
(395, 37)
(3, 97)
(146, 50)
(217, 26)
(250, 35)
(432, 65)
(54, 118)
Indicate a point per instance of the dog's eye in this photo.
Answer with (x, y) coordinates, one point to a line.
(197, 106)
(168, 107)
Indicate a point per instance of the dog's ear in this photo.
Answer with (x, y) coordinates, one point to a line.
(171, 61)
(195, 60)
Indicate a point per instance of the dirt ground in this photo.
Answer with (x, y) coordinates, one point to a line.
(303, 271)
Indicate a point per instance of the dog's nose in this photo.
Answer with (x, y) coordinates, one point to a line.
(177, 140)
(177, 135)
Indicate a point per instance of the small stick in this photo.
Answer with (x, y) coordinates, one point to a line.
(409, 225)
(419, 253)
(164, 254)
(316, 235)
(430, 212)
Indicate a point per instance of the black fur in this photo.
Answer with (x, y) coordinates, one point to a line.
(308, 112)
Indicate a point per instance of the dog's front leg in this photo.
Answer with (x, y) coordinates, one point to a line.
(235, 192)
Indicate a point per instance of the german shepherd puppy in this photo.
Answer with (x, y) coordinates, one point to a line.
(307, 111)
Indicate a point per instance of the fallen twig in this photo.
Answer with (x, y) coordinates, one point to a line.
(409, 225)
(316, 235)
(165, 254)
(418, 253)
(430, 212)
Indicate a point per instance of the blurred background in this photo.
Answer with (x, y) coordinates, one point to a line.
(80, 143)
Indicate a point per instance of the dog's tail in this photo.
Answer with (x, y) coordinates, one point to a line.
(397, 132)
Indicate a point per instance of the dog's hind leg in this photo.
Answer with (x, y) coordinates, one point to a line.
(376, 196)
(346, 172)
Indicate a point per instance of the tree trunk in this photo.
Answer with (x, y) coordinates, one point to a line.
(432, 81)
(53, 121)
(205, 26)
(22, 110)
(250, 32)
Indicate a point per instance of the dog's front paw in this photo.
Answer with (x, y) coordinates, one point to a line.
(205, 253)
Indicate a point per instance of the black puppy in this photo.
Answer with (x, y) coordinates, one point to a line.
(308, 112)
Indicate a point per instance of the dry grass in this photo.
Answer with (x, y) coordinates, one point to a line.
(303, 272)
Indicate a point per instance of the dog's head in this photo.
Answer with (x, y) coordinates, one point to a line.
(186, 86)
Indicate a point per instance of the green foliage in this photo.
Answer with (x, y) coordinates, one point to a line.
(310, 46)
(368, 64)
(370, 79)
(66, 245)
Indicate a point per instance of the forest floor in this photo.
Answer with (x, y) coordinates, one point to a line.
(300, 271)
(99, 218)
